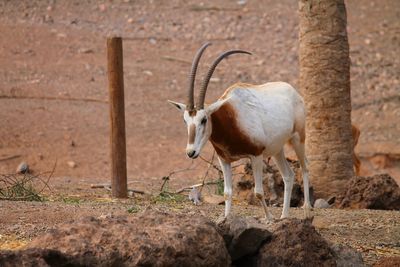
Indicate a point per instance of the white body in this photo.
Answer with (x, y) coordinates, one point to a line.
(267, 113)
(252, 121)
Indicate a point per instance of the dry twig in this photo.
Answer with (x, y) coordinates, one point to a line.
(60, 98)
(212, 164)
(170, 58)
(108, 188)
(10, 157)
(208, 169)
(195, 185)
(166, 178)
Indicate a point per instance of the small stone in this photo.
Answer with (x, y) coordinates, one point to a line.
(71, 164)
(23, 167)
(152, 40)
(321, 204)
(195, 195)
(106, 216)
(278, 27)
(102, 7)
(148, 73)
(130, 20)
(347, 256)
(48, 19)
(61, 35)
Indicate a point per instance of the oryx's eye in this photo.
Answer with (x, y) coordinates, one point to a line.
(203, 120)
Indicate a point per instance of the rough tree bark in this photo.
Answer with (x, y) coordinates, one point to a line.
(325, 84)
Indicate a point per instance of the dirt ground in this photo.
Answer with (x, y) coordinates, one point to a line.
(53, 97)
(375, 234)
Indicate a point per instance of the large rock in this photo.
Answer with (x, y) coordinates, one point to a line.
(148, 239)
(290, 242)
(296, 243)
(243, 236)
(376, 192)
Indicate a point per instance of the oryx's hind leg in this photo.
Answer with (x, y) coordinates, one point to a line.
(300, 152)
(288, 179)
(257, 165)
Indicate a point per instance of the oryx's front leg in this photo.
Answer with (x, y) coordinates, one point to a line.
(257, 166)
(227, 171)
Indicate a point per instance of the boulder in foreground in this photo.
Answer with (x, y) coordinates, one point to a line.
(379, 192)
(169, 239)
(296, 243)
(148, 239)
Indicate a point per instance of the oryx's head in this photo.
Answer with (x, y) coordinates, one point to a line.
(197, 118)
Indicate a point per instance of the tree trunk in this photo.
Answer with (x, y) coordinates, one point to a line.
(325, 84)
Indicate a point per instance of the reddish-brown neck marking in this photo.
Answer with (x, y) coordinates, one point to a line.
(230, 142)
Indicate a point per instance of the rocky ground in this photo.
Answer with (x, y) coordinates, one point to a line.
(53, 100)
(375, 234)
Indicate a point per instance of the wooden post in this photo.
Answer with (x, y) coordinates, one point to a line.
(117, 117)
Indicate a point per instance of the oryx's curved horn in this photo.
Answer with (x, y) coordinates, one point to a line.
(203, 90)
(192, 76)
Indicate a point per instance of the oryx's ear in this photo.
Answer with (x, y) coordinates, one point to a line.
(214, 106)
(179, 106)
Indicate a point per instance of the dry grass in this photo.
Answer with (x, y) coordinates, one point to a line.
(24, 186)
